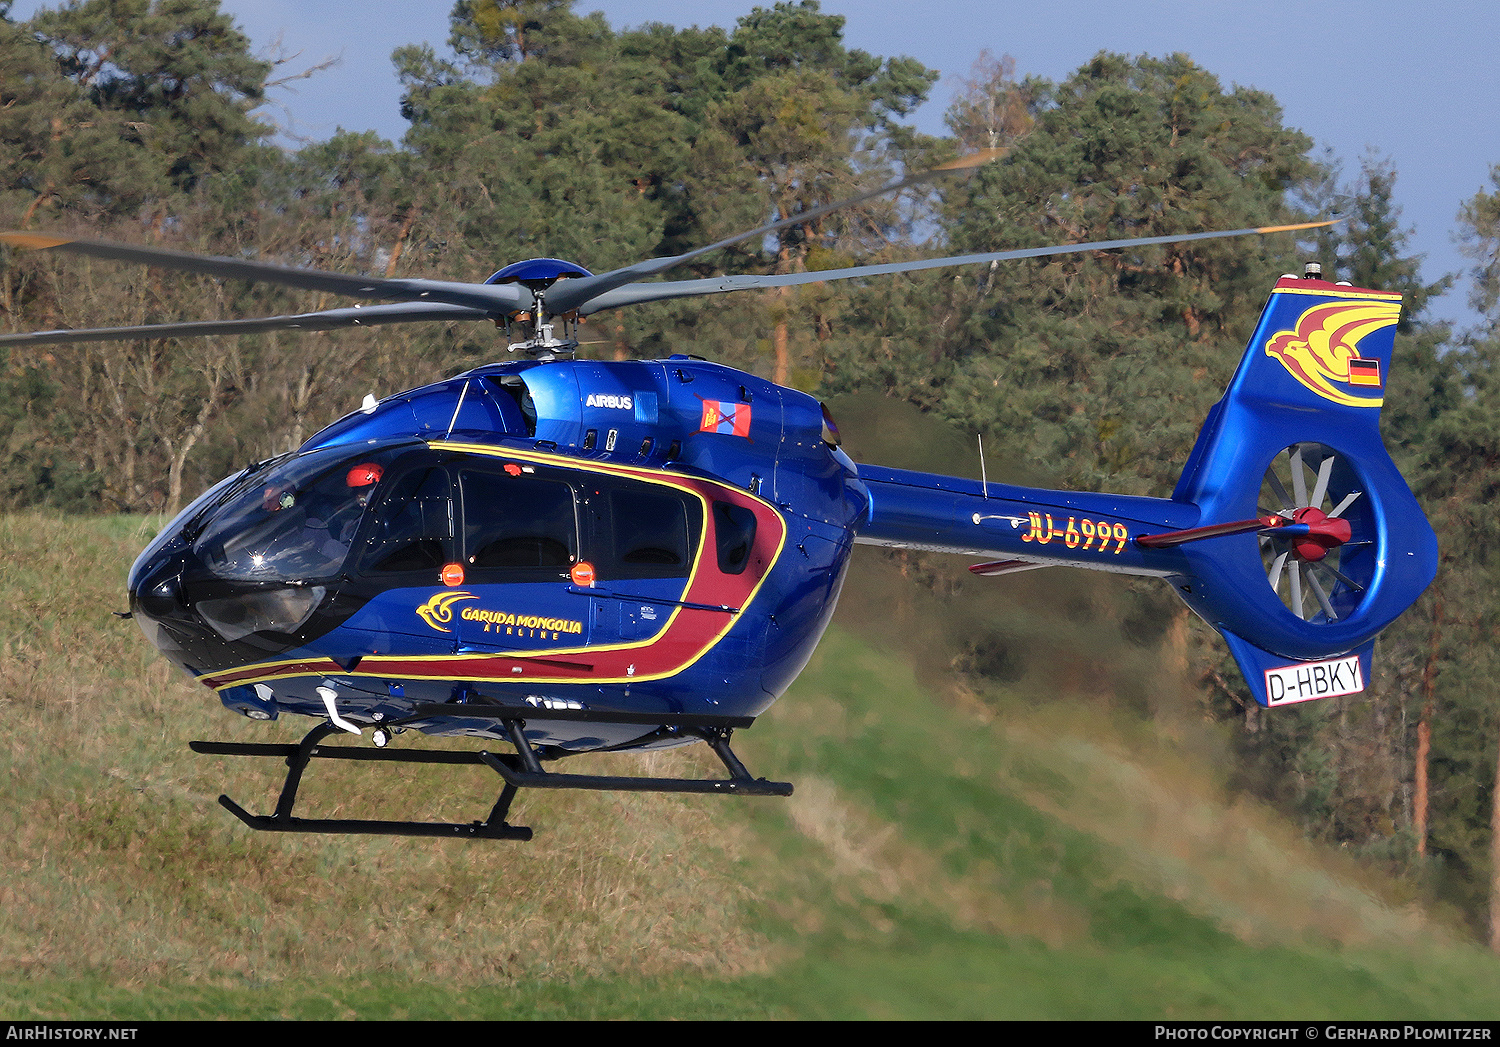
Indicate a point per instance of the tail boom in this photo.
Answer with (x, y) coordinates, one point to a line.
(912, 510)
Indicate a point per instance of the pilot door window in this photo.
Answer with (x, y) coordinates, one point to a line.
(517, 528)
(412, 528)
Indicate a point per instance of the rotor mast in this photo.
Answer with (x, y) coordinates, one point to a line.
(535, 330)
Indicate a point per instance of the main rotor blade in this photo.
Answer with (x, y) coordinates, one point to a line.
(573, 294)
(719, 284)
(495, 298)
(326, 320)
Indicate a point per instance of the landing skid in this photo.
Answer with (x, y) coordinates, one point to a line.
(521, 770)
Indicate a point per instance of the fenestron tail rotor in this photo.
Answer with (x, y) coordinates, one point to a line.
(1320, 560)
(1315, 529)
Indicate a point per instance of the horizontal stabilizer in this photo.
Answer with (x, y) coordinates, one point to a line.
(999, 567)
(1194, 534)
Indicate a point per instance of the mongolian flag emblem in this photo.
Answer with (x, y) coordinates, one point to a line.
(731, 419)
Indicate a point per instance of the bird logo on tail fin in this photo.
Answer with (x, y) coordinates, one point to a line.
(1323, 351)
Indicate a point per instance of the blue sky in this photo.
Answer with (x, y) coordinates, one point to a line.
(1419, 85)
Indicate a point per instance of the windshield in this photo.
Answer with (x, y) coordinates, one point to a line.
(297, 520)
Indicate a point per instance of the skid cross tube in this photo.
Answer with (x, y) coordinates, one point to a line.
(495, 827)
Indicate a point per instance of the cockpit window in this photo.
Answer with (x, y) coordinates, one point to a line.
(296, 521)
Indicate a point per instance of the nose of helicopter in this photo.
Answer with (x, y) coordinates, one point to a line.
(248, 570)
(156, 589)
(158, 604)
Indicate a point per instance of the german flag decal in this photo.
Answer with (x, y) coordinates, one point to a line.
(731, 419)
(1364, 372)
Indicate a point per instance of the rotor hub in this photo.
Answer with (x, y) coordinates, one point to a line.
(1324, 533)
(538, 273)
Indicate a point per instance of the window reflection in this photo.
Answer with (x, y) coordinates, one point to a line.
(297, 521)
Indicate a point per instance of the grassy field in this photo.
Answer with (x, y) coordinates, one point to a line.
(946, 854)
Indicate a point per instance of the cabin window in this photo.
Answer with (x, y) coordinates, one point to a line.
(734, 535)
(642, 531)
(650, 530)
(518, 525)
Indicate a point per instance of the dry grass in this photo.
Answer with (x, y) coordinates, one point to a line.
(1228, 859)
(119, 861)
(872, 860)
(1150, 803)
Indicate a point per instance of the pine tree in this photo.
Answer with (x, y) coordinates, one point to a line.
(1479, 221)
(1098, 369)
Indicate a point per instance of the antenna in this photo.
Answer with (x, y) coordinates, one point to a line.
(984, 476)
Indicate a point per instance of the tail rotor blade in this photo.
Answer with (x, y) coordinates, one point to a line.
(1276, 567)
(1325, 471)
(1346, 503)
(1299, 479)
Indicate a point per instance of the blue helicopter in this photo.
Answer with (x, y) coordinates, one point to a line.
(571, 556)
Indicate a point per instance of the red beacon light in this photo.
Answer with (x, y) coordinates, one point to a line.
(365, 474)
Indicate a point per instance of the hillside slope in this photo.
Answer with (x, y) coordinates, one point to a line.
(951, 859)
(946, 854)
